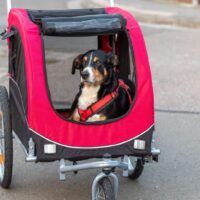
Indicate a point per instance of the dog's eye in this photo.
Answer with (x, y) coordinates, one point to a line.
(95, 59)
(84, 62)
(98, 62)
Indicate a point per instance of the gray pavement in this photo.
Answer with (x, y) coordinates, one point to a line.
(160, 12)
(174, 58)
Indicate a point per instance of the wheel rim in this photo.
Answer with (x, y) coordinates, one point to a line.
(2, 147)
(100, 195)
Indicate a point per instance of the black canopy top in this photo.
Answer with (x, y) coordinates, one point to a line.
(77, 22)
(83, 25)
(37, 15)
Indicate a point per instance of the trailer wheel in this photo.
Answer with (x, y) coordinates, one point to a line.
(105, 190)
(138, 167)
(6, 140)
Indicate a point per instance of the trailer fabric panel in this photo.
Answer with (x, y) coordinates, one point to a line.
(44, 121)
(17, 65)
(19, 122)
(76, 154)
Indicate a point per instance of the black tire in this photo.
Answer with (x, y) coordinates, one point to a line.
(138, 169)
(6, 142)
(105, 190)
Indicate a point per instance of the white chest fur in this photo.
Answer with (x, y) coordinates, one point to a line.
(88, 96)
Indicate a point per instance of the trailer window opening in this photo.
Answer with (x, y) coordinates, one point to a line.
(59, 54)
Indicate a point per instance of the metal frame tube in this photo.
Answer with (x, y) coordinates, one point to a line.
(155, 151)
(29, 156)
(93, 165)
(195, 2)
(9, 6)
(112, 3)
(116, 184)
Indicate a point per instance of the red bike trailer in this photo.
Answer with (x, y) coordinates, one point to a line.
(43, 133)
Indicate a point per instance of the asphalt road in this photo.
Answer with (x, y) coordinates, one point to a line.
(174, 58)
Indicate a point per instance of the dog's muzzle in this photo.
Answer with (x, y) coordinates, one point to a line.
(85, 74)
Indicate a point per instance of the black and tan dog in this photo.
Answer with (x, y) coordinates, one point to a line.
(102, 96)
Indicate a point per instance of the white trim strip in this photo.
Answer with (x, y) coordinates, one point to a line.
(99, 147)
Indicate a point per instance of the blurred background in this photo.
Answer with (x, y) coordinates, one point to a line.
(171, 30)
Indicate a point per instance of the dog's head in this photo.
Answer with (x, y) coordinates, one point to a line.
(96, 66)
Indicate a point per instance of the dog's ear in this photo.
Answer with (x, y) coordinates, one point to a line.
(77, 63)
(112, 59)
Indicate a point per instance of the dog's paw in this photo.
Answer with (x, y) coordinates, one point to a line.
(96, 117)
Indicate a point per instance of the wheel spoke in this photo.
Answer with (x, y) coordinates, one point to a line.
(1, 134)
(2, 167)
(2, 144)
(100, 194)
(1, 149)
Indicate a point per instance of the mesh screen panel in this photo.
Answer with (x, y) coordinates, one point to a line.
(59, 55)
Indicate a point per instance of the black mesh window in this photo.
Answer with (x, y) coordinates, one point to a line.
(59, 55)
(17, 65)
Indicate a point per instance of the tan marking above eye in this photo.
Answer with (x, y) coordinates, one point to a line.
(85, 58)
(96, 59)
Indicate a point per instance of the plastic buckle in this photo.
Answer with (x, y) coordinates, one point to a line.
(6, 35)
(4, 32)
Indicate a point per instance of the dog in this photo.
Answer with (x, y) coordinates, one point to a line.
(102, 95)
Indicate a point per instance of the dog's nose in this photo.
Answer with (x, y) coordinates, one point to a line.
(85, 74)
